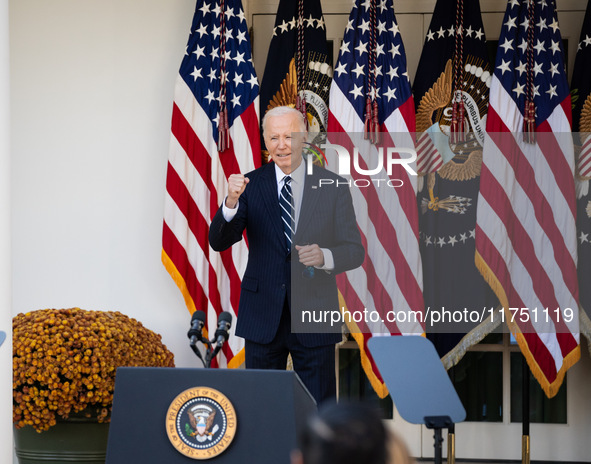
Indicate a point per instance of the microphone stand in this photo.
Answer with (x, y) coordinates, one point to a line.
(210, 352)
(193, 345)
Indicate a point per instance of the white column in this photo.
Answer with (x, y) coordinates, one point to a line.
(6, 447)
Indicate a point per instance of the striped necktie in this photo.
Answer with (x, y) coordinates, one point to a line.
(287, 217)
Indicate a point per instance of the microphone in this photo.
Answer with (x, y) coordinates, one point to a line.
(221, 334)
(224, 324)
(197, 323)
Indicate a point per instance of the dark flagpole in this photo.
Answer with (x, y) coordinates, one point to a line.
(525, 443)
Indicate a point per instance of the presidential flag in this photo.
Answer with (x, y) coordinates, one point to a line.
(215, 133)
(454, 63)
(372, 110)
(526, 245)
(581, 95)
(298, 72)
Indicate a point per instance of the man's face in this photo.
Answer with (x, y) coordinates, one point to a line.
(283, 138)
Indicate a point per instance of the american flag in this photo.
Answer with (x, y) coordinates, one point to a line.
(525, 230)
(391, 276)
(584, 159)
(429, 159)
(217, 53)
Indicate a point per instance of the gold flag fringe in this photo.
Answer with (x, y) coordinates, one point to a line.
(179, 281)
(378, 385)
(472, 338)
(550, 388)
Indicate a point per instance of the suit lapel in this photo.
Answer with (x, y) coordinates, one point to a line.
(269, 192)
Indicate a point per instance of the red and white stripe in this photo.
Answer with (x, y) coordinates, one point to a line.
(391, 276)
(584, 161)
(526, 244)
(428, 157)
(195, 186)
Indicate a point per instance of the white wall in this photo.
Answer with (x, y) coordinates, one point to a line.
(5, 280)
(91, 86)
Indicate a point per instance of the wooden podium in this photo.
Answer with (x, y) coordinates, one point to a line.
(174, 415)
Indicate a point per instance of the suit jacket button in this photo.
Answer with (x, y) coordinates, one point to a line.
(282, 285)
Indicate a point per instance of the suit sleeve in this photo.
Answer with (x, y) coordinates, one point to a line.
(348, 252)
(223, 234)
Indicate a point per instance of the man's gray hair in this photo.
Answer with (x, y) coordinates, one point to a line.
(281, 111)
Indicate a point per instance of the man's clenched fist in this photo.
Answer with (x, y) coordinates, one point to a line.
(236, 185)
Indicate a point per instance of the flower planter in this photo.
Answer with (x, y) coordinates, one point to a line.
(64, 362)
(76, 440)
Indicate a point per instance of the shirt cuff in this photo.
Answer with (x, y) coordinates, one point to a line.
(328, 260)
(229, 213)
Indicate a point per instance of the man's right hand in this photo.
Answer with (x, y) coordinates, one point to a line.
(236, 185)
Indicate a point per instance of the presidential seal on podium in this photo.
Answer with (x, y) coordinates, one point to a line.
(201, 423)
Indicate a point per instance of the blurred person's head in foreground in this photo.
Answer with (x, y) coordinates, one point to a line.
(349, 433)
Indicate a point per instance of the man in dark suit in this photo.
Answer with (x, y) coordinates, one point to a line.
(301, 231)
